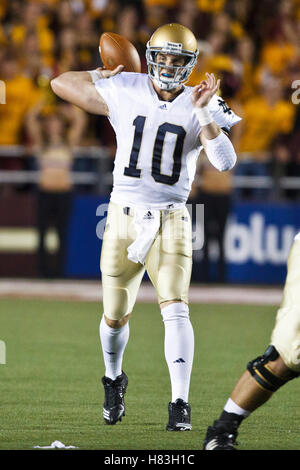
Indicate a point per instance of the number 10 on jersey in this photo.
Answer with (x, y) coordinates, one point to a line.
(135, 172)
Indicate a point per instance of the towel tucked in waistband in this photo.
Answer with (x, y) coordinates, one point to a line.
(147, 223)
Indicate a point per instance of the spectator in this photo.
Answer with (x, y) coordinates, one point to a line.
(62, 17)
(244, 65)
(212, 58)
(107, 12)
(211, 6)
(249, 41)
(129, 25)
(21, 95)
(187, 14)
(215, 193)
(66, 50)
(87, 37)
(32, 62)
(280, 167)
(265, 116)
(53, 138)
(240, 12)
(286, 162)
(277, 54)
(156, 12)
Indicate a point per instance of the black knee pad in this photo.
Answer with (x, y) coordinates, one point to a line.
(263, 374)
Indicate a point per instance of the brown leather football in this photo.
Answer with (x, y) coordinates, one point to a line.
(117, 50)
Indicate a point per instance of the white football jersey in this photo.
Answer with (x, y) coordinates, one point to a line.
(157, 141)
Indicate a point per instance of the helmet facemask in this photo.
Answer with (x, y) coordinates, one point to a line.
(177, 74)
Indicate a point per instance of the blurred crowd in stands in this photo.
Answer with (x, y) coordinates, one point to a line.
(254, 47)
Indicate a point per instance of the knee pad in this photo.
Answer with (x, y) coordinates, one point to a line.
(170, 281)
(173, 281)
(116, 302)
(260, 370)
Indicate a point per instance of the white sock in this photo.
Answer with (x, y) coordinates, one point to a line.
(179, 348)
(232, 407)
(113, 342)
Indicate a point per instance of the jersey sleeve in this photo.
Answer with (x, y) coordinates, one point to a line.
(110, 90)
(223, 115)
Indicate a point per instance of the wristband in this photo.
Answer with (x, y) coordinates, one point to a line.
(95, 74)
(203, 116)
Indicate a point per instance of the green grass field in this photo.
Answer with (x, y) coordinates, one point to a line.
(51, 389)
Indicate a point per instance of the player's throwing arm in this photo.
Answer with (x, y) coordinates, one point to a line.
(78, 88)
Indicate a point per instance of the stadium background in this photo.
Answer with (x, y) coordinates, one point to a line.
(253, 48)
(50, 373)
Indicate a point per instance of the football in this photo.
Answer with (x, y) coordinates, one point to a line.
(116, 50)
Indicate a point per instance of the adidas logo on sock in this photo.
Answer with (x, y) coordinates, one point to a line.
(179, 360)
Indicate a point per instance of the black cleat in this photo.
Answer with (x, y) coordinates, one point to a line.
(220, 436)
(114, 406)
(179, 416)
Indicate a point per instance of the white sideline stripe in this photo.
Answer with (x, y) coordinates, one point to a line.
(91, 291)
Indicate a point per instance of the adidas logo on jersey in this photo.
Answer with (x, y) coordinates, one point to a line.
(163, 106)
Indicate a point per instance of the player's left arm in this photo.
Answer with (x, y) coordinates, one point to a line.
(217, 145)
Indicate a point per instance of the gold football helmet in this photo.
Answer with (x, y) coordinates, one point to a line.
(172, 39)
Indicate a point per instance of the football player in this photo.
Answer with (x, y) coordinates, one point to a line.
(161, 125)
(264, 375)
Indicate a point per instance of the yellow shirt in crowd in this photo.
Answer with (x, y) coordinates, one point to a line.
(262, 123)
(21, 95)
(277, 56)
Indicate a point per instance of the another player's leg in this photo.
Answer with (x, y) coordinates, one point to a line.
(263, 377)
(267, 373)
(120, 283)
(169, 267)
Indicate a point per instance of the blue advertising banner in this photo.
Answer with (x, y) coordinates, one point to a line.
(84, 246)
(257, 241)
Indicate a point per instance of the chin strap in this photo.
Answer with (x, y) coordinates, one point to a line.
(165, 86)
